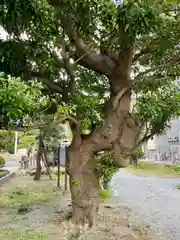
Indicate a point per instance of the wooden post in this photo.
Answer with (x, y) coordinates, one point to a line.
(66, 168)
(38, 159)
(58, 181)
(44, 158)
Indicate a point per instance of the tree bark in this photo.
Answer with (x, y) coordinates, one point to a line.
(84, 183)
(118, 133)
(38, 160)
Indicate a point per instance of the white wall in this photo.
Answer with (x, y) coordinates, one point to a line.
(167, 142)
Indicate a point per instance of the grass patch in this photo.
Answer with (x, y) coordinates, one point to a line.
(26, 208)
(155, 169)
(27, 194)
(105, 195)
(35, 236)
(14, 235)
(23, 209)
(3, 173)
(25, 141)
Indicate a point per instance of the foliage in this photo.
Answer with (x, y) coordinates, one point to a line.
(105, 166)
(3, 172)
(138, 153)
(156, 169)
(105, 195)
(7, 139)
(176, 169)
(2, 161)
(34, 236)
(18, 100)
(26, 140)
(37, 28)
(156, 107)
(23, 209)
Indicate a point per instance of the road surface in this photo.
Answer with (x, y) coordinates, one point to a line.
(11, 166)
(153, 200)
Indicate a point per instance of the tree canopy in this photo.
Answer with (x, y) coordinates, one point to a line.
(60, 43)
(18, 101)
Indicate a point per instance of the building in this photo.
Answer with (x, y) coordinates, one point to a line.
(165, 147)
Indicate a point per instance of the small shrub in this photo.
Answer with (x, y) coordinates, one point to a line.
(3, 173)
(105, 195)
(105, 167)
(7, 141)
(26, 141)
(2, 161)
(178, 186)
(176, 169)
(23, 209)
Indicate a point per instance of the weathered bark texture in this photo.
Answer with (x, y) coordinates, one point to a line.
(84, 183)
(118, 133)
(38, 160)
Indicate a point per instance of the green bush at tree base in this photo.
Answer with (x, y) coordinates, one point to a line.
(2, 161)
(105, 167)
(7, 141)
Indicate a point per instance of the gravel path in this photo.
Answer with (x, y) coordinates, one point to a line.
(153, 200)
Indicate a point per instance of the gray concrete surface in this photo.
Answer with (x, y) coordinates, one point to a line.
(154, 201)
(12, 165)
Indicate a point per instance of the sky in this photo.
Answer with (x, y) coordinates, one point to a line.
(3, 33)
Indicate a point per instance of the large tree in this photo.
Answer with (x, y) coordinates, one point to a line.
(91, 55)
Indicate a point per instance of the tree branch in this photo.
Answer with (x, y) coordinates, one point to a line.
(87, 57)
(141, 53)
(162, 66)
(70, 72)
(45, 79)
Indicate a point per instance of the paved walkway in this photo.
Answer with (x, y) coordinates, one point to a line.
(153, 200)
(12, 165)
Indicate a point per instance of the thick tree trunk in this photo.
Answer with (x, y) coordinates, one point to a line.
(84, 185)
(118, 133)
(38, 160)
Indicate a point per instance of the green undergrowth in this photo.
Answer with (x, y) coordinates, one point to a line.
(14, 235)
(3, 173)
(27, 194)
(155, 169)
(25, 205)
(105, 195)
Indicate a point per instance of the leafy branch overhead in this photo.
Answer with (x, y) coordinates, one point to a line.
(87, 51)
(18, 100)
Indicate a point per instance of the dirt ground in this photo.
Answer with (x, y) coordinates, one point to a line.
(37, 211)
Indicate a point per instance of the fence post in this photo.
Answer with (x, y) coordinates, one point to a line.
(66, 166)
(58, 180)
